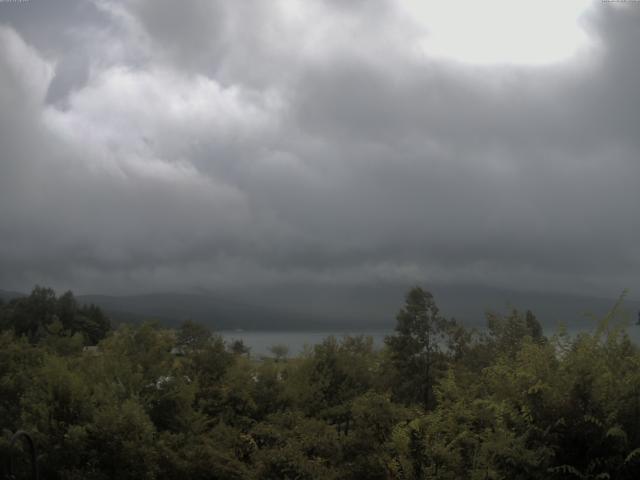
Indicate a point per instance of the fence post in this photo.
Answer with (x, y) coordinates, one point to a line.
(34, 455)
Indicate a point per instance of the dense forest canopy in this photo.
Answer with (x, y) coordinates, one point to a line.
(437, 401)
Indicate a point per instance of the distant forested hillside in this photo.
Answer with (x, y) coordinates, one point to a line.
(342, 308)
(6, 295)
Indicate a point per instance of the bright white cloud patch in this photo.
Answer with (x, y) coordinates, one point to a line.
(147, 122)
(501, 31)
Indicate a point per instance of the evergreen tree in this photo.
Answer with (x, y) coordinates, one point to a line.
(418, 348)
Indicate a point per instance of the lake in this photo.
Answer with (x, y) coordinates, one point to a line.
(260, 341)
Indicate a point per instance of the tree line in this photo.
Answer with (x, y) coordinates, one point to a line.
(438, 400)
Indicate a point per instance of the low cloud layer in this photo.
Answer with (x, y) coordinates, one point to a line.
(149, 145)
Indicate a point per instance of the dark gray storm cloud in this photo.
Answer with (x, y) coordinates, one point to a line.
(154, 145)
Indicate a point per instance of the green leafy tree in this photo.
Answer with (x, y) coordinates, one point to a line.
(506, 333)
(19, 366)
(29, 316)
(292, 446)
(238, 347)
(208, 367)
(418, 349)
(42, 314)
(92, 323)
(192, 335)
(209, 455)
(331, 375)
(280, 352)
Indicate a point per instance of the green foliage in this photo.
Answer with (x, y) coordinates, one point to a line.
(290, 445)
(18, 364)
(238, 347)
(506, 334)
(438, 401)
(331, 375)
(192, 335)
(418, 349)
(42, 315)
(279, 352)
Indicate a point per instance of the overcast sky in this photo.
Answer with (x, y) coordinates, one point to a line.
(154, 145)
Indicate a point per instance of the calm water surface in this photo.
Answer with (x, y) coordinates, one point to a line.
(260, 342)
